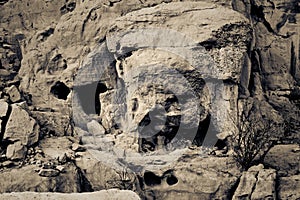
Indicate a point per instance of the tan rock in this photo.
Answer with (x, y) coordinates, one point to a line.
(48, 172)
(14, 94)
(246, 185)
(95, 128)
(284, 159)
(26, 179)
(103, 194)
(3, 108)
(21, 126)
(16, 151)
(289, 188)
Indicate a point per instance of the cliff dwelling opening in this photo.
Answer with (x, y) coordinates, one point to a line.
(60, 90)
(151, 179)
(89, 97)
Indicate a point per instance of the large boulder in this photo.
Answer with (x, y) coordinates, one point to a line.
(27, 179)
(256, 183)
(285, 159)
(103, 194)
(21, 127)
(289, 187)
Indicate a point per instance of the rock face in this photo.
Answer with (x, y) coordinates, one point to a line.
(256, 183)
(85, 84)
(285, 159)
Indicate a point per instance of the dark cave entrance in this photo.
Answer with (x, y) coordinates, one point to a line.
(89, 97)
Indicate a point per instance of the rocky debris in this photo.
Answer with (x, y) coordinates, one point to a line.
(13, 93)
(27, 179)
(103, 194)
(48, 172)
(56, 148)
(289, 188)
(16, 151)
(77, 147)
(91, 168)
(284, 159)
(256, 183)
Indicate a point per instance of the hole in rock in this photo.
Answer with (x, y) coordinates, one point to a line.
(60, 90)
(202, 131)
(89, 96)
(151, 179)
(172, 180)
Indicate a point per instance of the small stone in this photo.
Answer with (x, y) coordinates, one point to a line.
(16, 151)
(14, 94)
(48, 172)
(78, 147)
(7, 163)
(62, 158)
(296, 150)
(38, 163)
(95, 128)
(60, 168)
(79, 154)
(3, 108)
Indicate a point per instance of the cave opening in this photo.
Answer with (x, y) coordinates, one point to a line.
(88, 95)
(60, 90)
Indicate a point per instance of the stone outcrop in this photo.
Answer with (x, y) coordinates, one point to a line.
(289, 187)
(21, 127)
(256, 183)
(103, 194)
(227, 54)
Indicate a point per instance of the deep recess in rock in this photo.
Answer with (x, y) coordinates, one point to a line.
(60, 90)
(172, 180)
(89, 96)
(149, 137)
(151, 179)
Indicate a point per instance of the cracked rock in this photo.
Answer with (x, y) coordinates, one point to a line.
(22, 127)
(16, 151)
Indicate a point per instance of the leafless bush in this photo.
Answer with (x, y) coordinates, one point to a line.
(254, 135)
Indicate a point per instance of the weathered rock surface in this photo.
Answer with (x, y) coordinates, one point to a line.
(21, 127)
(3, 108)
(43, 44)
(285, 159)
(289, 187)
(26, 179)
(103, 194)
(16, 151)
(256, 183)
(193, 177)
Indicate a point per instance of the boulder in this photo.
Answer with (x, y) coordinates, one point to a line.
(95, 128)
(26, 179)
(3, 108)
(289, 188)
(21, 127)
(284, 159)
(103, 194)
(49, 172)
(16, 151)
(13, 93)
(256, 183)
